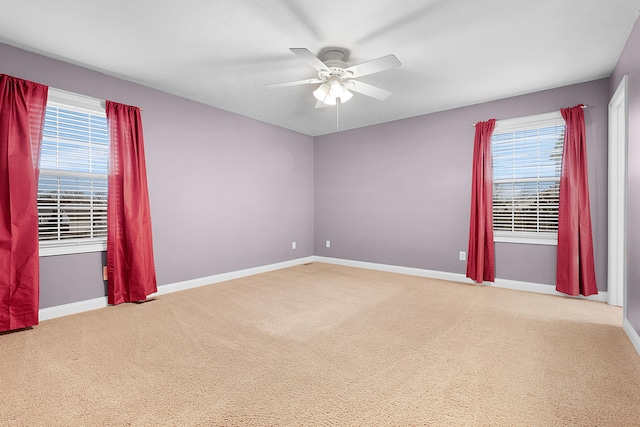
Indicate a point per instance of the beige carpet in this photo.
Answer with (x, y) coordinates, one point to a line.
(326, 345)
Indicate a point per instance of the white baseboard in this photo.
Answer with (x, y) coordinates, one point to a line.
(457, 277)
(202, 281)
(72, 308)
(101, 302)
(632, 334)
(433, 274)
(601, 296)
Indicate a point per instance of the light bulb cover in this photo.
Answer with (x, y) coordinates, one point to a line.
(346, 95)
(330, 100)
(336, 88)
(322, 92)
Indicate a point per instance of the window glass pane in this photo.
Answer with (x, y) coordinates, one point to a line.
(72, 207)
(526, 206)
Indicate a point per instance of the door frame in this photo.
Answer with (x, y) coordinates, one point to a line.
(617, 199)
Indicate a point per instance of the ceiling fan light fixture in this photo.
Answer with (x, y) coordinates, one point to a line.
(322, 92)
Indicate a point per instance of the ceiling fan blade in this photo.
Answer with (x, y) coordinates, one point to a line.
(294, 83)
(374, 66)
(306, 55)
(367, 89)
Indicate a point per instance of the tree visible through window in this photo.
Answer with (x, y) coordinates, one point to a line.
(72, 188)
(527, 162)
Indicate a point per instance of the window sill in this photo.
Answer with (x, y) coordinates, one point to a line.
(549, 241)
(72, 249)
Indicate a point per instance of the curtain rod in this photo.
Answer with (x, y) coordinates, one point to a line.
(103, 102)
(584, 107)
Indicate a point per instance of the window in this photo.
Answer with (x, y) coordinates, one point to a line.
(72, 188)
(527, 161)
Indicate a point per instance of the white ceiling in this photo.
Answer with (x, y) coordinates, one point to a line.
(222, 52)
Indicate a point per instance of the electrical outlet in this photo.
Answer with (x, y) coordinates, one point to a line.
(328, 243)
(293, 245)
(463, 256)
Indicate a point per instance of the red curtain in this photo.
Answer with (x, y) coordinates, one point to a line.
(22, 108)
(130, 267)
(575, 272)
(481, 256)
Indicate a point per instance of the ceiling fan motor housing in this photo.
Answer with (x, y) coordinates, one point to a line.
(334, 60)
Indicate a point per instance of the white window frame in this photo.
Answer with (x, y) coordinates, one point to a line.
(518, 124)
(81, 103)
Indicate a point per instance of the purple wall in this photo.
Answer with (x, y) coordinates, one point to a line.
(399, 193)
(226, 192)
(629, 63)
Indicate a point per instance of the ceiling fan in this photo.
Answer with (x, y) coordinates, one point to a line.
(337, 79)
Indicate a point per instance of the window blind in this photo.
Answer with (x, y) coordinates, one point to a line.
(72, 188)
(527, 162)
